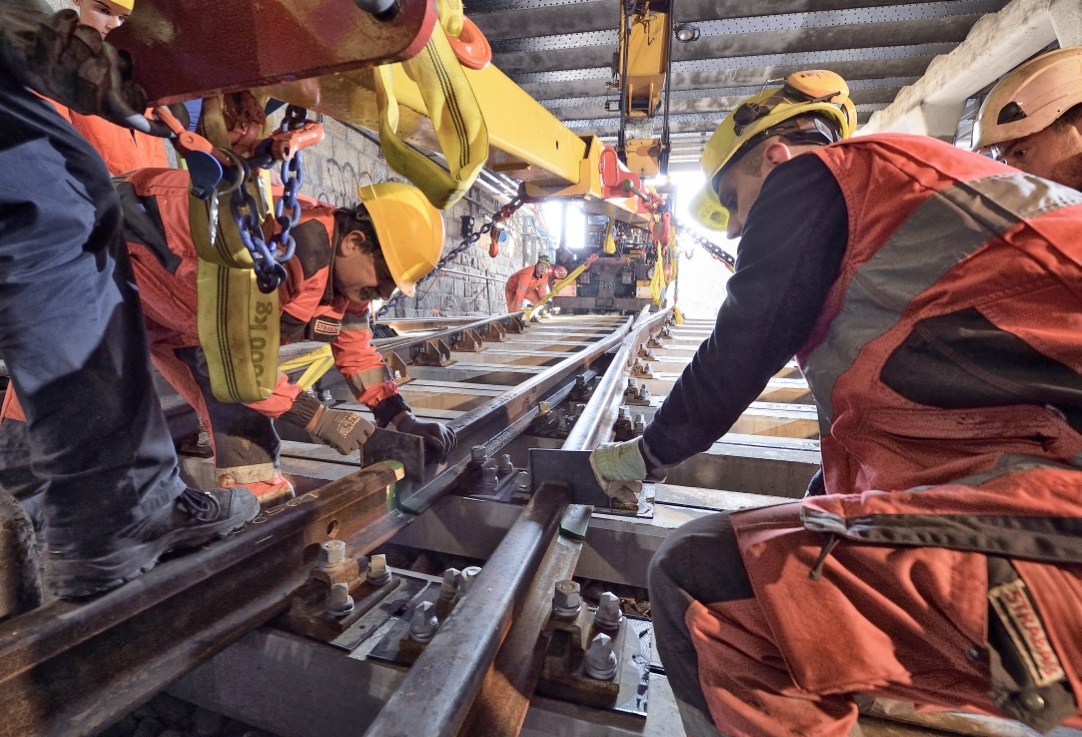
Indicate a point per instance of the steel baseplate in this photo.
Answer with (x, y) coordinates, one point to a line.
(572, 467)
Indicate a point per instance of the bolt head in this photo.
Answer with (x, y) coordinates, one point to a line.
(424, 624)
(600, 660)
(466, 579)
(622, 413)
(377, 570)
(339, 602)
(609, 615)
(506, 465)
(632, 383)
(332, 553)
(478, 453)
(566, 599)
(543, 408)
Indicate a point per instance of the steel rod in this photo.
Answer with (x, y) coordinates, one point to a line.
(437, 693)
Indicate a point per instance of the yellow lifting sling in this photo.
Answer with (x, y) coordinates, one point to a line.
(238, 324)
(452, 107)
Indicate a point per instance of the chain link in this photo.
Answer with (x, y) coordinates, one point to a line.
(268, 257)
(502, 214)
(715, 251)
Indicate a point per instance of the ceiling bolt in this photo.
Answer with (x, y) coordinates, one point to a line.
(424, 624)
(377, 570)
(609, 615)
(600, 660)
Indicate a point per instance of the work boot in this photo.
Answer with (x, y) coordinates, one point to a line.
(193, 519)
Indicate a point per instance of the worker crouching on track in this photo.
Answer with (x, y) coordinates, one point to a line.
(344, 259)
(933, 298)
(1032, 119)
(530, 284)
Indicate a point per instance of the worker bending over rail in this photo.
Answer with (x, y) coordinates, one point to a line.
(530, 284)
(933, 298)
(1032, 119)
(71, 329)
(344, 259)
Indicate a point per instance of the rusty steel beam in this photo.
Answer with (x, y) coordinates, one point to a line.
(72, 668)
(184, 49)
(441, 685)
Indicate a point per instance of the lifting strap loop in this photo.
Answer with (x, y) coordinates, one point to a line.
(452, 107)
(238, 324)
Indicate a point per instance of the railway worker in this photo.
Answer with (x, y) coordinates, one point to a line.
(528, 285)
(71, 328)
(1032, 119)
(344, 259)
(933, 298)
(122, 149)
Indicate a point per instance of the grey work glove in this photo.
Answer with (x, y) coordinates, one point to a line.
(344, 431)
(619, 469)
(439, 438)
(60, 59)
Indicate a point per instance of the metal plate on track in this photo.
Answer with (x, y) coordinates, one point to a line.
(392, 605)
(572, 468)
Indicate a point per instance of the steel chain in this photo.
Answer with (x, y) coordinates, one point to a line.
(714, 250)
(502, 214)
(268, 257)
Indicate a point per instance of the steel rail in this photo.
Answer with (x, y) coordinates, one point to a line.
(442, 685)
(71, 669)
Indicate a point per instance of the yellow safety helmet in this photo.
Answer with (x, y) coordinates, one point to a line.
(409, 228)
(126, 4)
(784, 110)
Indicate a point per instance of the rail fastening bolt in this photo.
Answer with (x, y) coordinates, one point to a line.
(339, 602)
(449, 587)
(424, 624)
(522, 482)
(622, 412)
(332, 553)
(465, 580)
(377, 570)
(609, 615)
(633, 383)
(478, 454)
(488, 477)
(326, 396)
(566, 600)
(506, 466)
(640, 423)
(543, 408)
(600, 660)
(644, 392)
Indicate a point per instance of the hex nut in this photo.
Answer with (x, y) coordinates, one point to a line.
(332, 553)
(466, 578)
(424, 624)
(609, 616)
(566, 600)
(339, 602)
(377, 570)
(600, 660)
(478, 454)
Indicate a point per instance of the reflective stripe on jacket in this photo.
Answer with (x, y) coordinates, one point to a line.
(947, 355)
(168, 288)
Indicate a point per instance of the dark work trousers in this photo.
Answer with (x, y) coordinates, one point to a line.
(700, 560)
(242, 436)
(72, 334)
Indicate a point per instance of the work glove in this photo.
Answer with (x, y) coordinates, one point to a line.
(439, 438)
(619, 469)
(344, 431)
(60, 59)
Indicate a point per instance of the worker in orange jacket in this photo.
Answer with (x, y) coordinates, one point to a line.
(344, 258)
(122, 149)
(933, 299)
(530, 284)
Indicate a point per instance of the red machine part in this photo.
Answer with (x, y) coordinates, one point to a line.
(184, 49)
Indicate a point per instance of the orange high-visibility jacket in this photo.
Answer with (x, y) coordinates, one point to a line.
(522, 286)
(949, 253)
(123, 150)
(310, 308)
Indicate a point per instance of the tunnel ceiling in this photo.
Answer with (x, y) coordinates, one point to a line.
(561, 52)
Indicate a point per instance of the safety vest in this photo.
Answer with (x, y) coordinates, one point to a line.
(934, 231)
